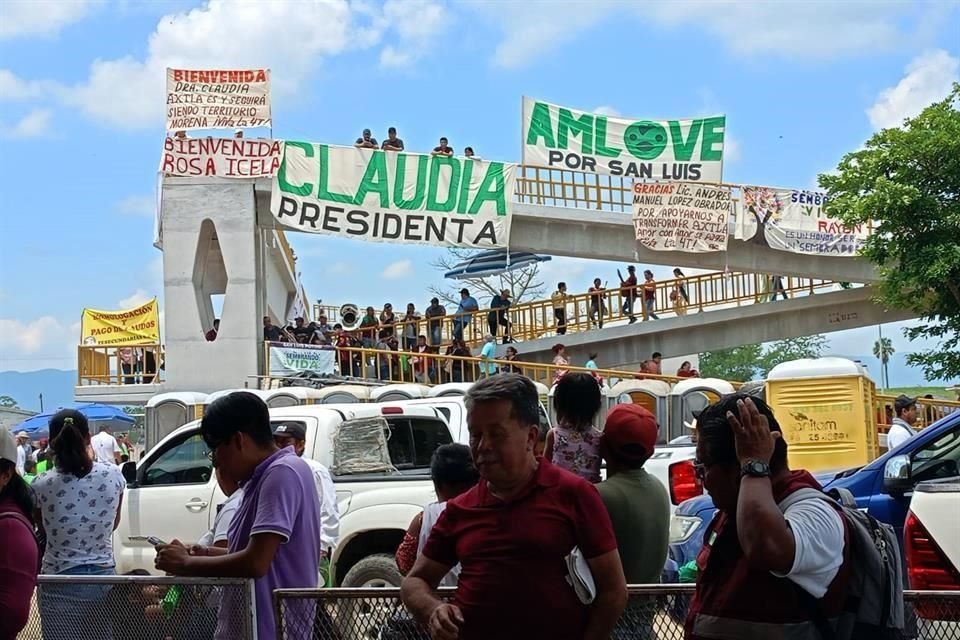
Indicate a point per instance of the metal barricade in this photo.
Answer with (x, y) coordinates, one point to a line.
(139, 608)
(654, 612)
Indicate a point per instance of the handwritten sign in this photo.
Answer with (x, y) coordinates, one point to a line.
(217, 99)
(222, 157)
(681, 216)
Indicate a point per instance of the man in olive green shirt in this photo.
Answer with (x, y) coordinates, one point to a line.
(636, 501)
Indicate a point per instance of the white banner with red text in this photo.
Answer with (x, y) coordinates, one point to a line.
(388, 196)
(681, 216)
(217, 99)
(221, 157)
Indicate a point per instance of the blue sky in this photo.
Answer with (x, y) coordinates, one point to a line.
(81, 127)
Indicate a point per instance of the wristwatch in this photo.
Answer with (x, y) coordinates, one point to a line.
(755, 469)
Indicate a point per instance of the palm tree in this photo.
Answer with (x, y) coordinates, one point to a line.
(883, 349)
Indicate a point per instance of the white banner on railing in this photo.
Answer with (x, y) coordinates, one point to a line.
(287, 359)
(221, 157)
(681, 216)
(564, 138)
(217, 99)
(387, 196)
(793, 220)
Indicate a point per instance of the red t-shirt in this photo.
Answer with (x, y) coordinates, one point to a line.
(513, 575)
(19, 564)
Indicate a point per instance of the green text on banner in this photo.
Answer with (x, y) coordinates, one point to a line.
(681, 216)
(793, 220)
(387, 196)
(288, 359)
(563, 138)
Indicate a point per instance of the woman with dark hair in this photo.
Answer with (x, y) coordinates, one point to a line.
(19, 555)
(78, 510)
(574, 444)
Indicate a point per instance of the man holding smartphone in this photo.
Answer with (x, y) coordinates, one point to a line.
(275, 534)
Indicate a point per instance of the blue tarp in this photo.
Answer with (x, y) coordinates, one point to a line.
(38, 426)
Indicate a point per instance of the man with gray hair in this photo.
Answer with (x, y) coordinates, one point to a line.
(512, 533)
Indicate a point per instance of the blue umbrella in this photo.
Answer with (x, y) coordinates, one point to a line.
(493, 263)
(98, 414)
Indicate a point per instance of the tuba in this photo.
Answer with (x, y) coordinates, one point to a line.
(349, 316)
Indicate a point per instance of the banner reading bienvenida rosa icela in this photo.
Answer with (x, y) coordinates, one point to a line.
(681, 216)
(217, 99)
(794, 220)
(222, 157)
(387, 196)
(562, 138)
(127, 327)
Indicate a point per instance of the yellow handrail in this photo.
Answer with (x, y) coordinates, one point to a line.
(536, 319)
(103, 364)
(929, 410)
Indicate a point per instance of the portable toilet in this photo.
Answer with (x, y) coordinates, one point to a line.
(650, 394)
(344, 394)
(824, 406)
(449, 389)
(395, 392)
(291, 396)
(166, 412)
(687, 399)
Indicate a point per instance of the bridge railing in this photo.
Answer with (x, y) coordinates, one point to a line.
(584, 310)
(104, 364)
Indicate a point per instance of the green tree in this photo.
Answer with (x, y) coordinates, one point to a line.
(7, 401)
(791, 349)
(882, 350)
(906, 183)
(738, 364)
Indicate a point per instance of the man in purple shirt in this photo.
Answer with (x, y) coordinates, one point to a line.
(275, 534)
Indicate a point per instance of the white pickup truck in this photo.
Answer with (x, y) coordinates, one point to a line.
(931, 541)
(174, 493)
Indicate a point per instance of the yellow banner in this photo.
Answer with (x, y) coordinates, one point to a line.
(130, 327)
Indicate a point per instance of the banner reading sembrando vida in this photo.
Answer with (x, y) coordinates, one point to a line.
(138, 326)
(386, 196)
(794, 220)
(217, 99)
(558, 137)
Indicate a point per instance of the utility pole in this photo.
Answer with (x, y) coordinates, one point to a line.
(41, 403)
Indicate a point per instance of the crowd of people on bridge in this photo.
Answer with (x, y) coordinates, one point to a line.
(393, 143)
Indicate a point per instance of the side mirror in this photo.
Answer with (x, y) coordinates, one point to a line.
(129, 471)
(897, 477)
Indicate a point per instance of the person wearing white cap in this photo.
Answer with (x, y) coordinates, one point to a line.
(23, 451)
(19, 555)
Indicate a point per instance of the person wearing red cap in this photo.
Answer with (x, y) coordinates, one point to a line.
(636, 501)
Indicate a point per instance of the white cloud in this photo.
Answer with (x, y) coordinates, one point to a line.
(35, 124)
(14, 88)
(289, 36)
(29, 18)
(607, 110)
(341, 268)
(38, 344)
(397, 270)
(145, 206)
(790, 28)
(928, 78)
(418, 24)
(137, 298)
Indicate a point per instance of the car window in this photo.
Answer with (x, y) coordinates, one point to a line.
(427, 436)
(183, 461)
(400, 444)
(938, 459)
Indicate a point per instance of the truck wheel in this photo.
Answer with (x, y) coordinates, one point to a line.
(375, 571)
(368, 617)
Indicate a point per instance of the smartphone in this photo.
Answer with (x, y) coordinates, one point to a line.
(155, 541)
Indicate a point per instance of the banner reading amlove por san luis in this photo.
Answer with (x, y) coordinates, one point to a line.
(558, 137)
(387, 196)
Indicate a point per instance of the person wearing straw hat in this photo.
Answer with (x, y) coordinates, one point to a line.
(23, 451)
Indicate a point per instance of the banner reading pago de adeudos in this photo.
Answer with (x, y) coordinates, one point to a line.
(387, 196)
(558, 137)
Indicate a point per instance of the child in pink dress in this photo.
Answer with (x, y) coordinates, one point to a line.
(574, 444)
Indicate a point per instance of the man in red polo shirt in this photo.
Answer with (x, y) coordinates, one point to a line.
(511, 534)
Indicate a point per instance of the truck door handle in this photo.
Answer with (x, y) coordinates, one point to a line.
(196, 505)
